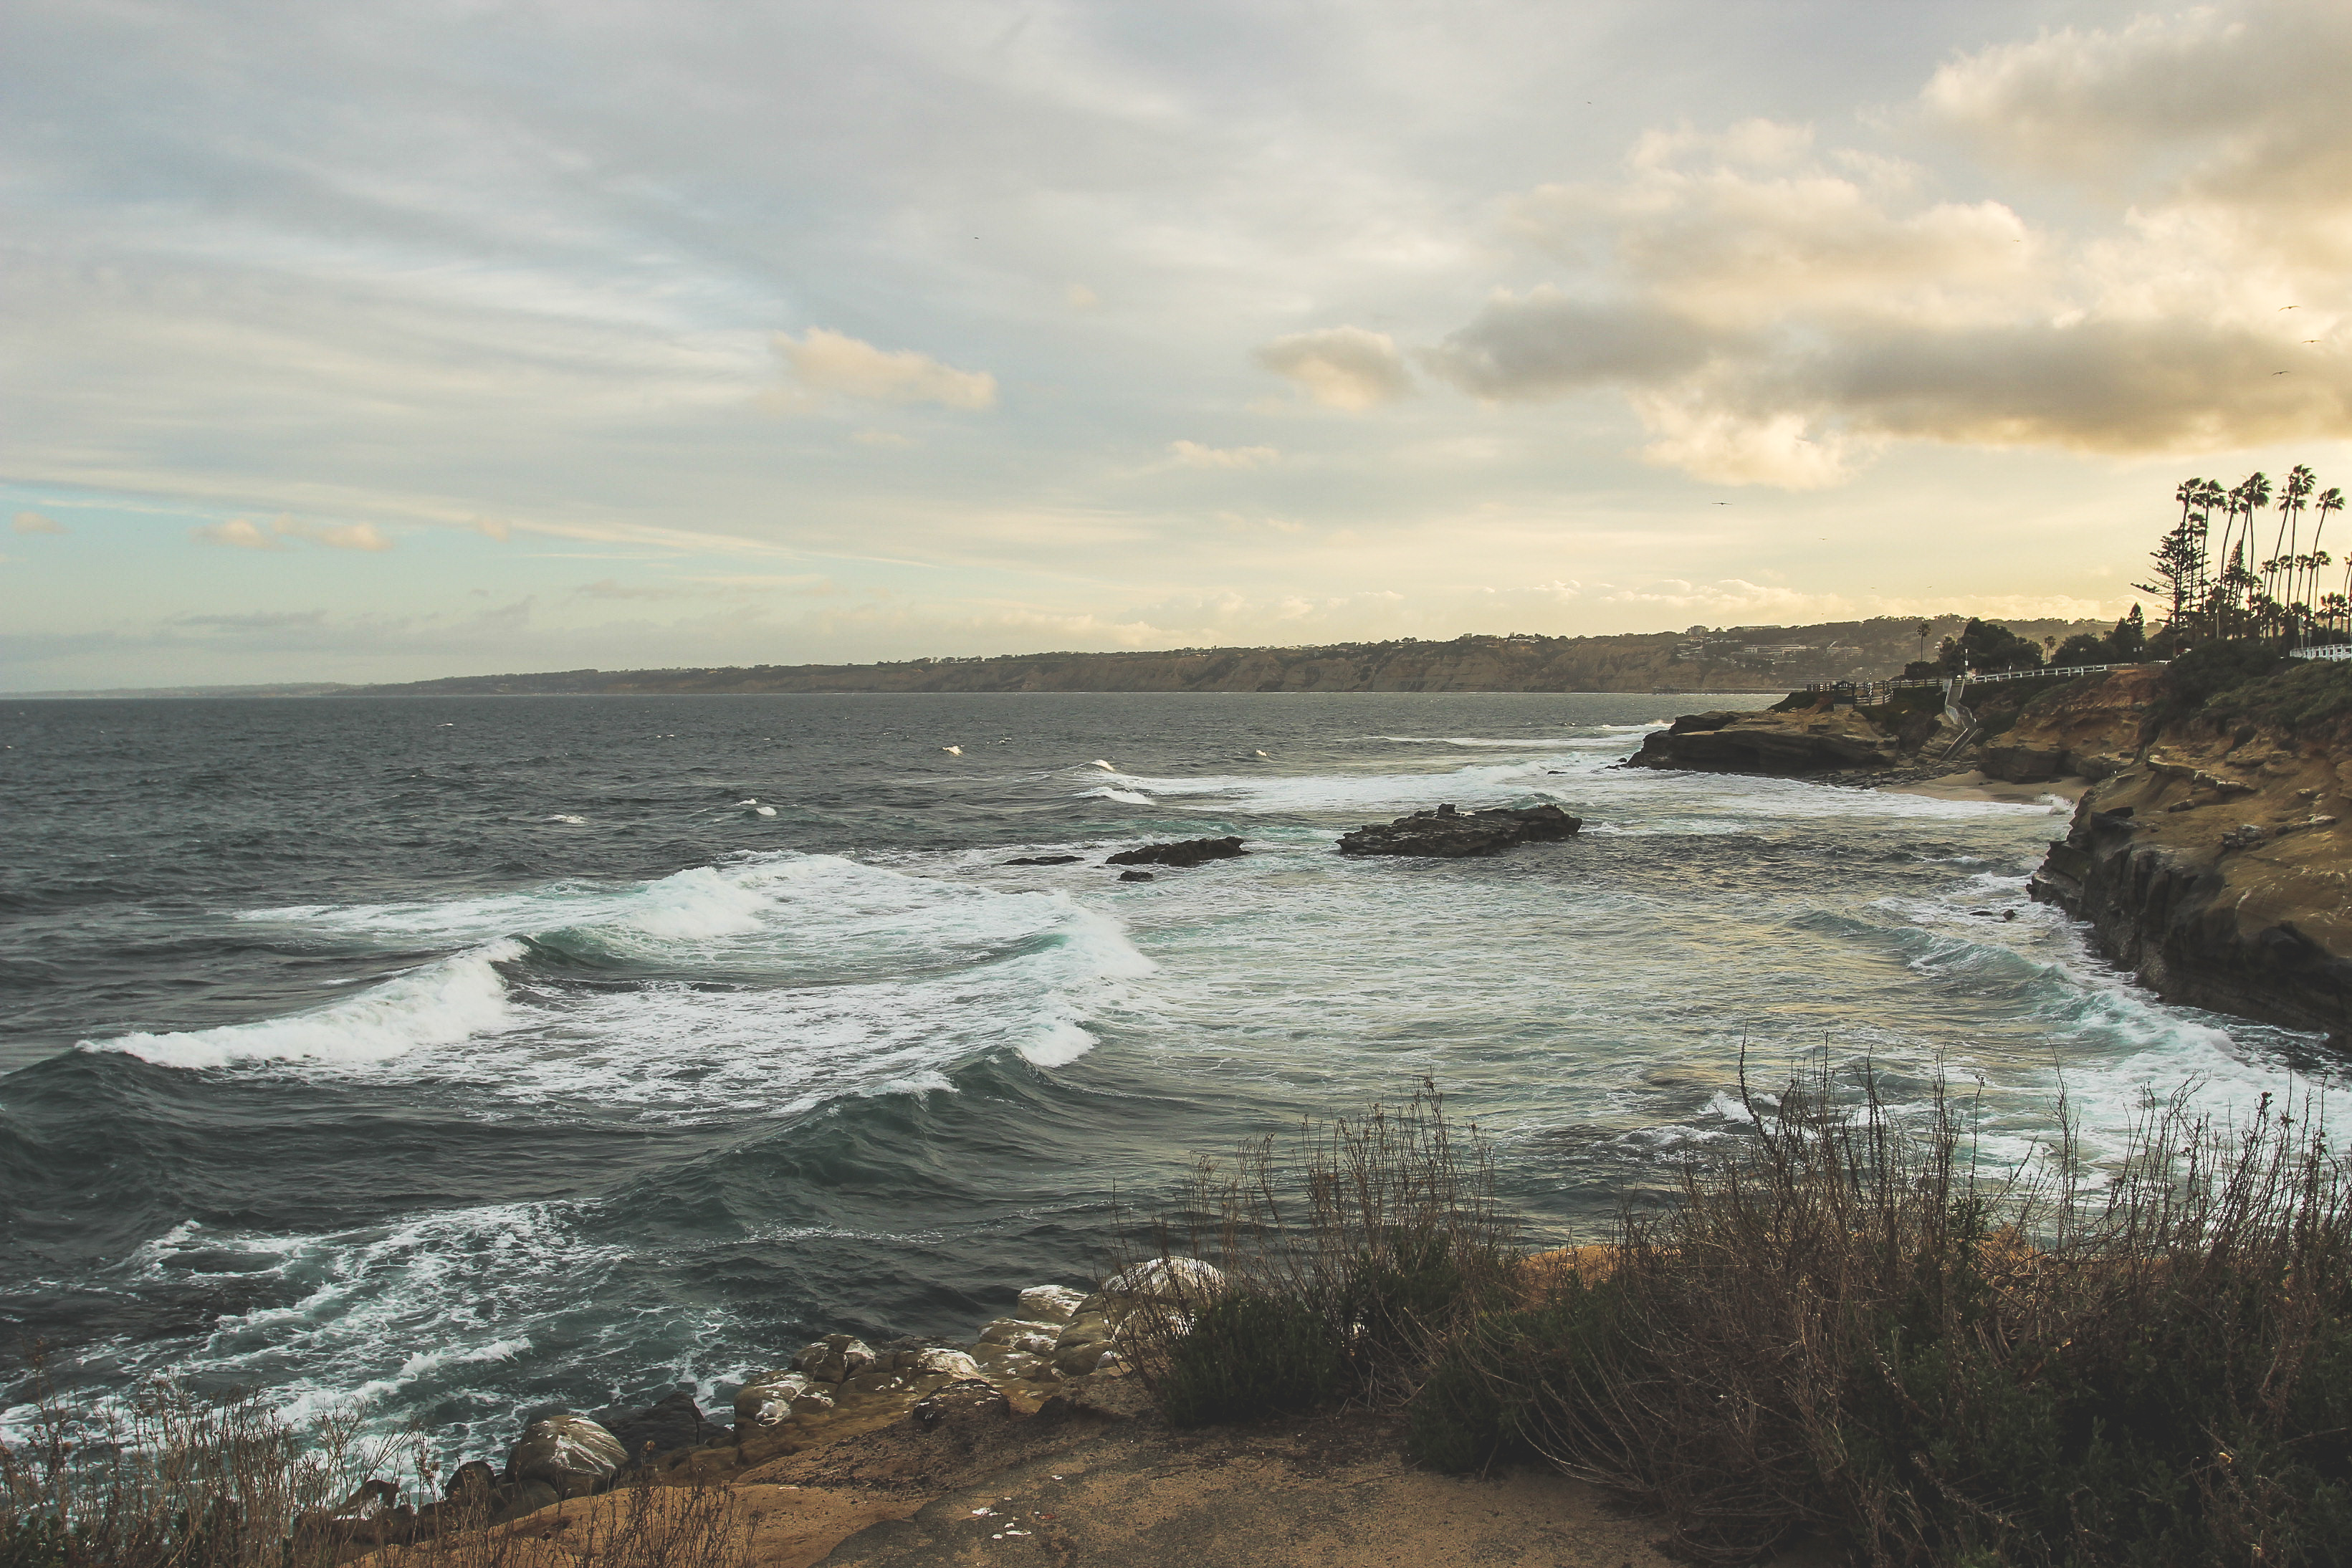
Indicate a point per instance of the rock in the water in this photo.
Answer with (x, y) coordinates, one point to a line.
(1136, 876)
(1050, 1304)
(1189, 852)
(571, 1453)
(671, 1422)
(1452, 834)
(1806, 741)
(1044, 859)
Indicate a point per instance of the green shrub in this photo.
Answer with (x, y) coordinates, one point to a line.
(1253, 1354)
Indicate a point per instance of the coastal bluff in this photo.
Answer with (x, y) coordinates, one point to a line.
(2213, 856)
(2211, 851)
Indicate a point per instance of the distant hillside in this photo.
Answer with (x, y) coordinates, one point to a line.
(1735, 658)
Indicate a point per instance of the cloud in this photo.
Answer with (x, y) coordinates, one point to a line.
(1341, 367)
(33, 522)
(881, 438)
(1545, 344)
(240, 533)
(334, 535)
(828, 362)
(235, 534)
(1778, 313)
(1081, 298)
(1193, 454)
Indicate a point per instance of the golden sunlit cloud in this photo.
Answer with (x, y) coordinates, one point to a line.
(1341, 367)
(826, 362)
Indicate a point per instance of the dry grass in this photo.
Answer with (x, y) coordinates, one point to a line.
(1843, 1334)
(1347, 1248)
(175, 1479)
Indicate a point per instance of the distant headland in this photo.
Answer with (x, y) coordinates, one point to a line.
(1700, 658)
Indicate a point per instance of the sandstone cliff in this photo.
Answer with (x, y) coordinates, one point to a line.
(2212, 857)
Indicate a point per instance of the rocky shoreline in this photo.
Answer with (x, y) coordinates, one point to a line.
(1067, 1353)
(2210, 852)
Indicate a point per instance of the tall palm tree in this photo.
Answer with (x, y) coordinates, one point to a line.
(2331, 501)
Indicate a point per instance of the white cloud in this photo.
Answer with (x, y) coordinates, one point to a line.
(334, 535)
(241, 533)
(1193, 454)
(33, 522)
(1341, 367)
(828, 362)
(1081, 298)
(238, 534)
(881, 438)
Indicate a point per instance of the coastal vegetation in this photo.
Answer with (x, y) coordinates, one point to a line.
(1844, 1326)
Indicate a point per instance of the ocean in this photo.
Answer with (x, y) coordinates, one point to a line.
(459, 1057)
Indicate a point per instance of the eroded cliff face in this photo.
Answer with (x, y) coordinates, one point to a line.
(2090, 731)
(2214, 861)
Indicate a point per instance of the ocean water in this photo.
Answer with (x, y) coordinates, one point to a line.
(465, 1055)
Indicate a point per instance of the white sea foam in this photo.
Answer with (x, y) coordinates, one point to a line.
(843, 978)
(438, 1005)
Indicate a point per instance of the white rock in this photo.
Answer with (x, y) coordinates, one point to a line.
(768, 1397)
(1175, 1279)
(1050, 1304)
(946, 1362)
(834, 1357)
(570, 1453)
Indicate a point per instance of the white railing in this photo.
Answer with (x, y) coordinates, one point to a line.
(2330, 650)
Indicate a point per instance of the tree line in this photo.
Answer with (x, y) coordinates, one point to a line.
(2216, 577)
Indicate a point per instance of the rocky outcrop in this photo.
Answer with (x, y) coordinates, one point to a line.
(571, 1454)
(1811, 739)
(2217, 865)
(1452, 834)
(1182, 853)
(2092, 730)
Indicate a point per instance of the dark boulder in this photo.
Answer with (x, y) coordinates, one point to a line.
(1452, 834)
(1134, 876)
(1188, 852)
(1044, 860)
(671, 1422)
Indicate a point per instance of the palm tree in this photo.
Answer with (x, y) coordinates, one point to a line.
(2332, 500)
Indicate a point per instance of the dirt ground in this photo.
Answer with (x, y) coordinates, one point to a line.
(1110, 1483)
(1326, 1491)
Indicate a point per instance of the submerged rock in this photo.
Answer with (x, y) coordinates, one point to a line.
(1185, 852)
(1044, 859)
(1451, 834)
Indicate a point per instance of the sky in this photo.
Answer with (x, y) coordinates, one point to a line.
(378, 343)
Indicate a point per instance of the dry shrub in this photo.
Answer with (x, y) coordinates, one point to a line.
(1347, 1248)
(171, 1477)
(177, 1479)
(638, 1524)
(1843, 1332)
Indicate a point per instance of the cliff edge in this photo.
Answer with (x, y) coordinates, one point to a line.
(2212, 857)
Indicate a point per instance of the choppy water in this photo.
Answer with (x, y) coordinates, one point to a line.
(471, 1054)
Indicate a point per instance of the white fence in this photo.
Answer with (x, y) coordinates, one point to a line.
(2333, 650)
